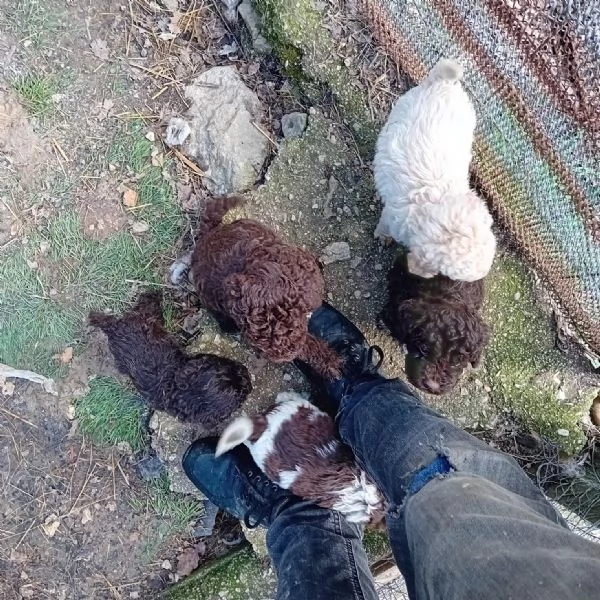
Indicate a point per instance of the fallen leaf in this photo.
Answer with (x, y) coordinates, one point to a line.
(100, 49)
(66, 356)
(87, 516)
(139, 227)
(187, 561)
(51, 524)
(130, 198)
(8, 388)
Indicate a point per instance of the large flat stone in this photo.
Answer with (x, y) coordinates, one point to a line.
(224, 139)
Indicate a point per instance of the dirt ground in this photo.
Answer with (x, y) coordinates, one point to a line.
(75, 78)
(73, 523)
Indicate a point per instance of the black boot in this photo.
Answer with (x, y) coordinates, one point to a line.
(234, 483)
(345, 338)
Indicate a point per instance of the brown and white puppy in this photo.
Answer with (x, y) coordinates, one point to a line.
(252, 280)
(295, 445)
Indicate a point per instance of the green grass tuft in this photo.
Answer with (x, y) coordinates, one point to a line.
(35, 21)
(35, 92)
(42, 309)
(175, 511)
(109, 414)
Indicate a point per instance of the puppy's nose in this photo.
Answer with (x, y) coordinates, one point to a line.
(432, 386)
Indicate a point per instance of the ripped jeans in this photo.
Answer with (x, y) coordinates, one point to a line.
(465, 522)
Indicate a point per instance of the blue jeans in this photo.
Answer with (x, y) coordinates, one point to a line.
(465, 522)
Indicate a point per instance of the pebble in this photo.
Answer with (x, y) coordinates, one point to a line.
(563, 432)
(150, 136)
(287, 377)
(166, 564)
(357, 294)
(293, 124)
(139, 227)
(378, 267)
(150, 467)
(335, 252)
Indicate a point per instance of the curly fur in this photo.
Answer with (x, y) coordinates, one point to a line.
(295, 445)
(203, 388)
(438, 320)
(421, 170)
(252, 280)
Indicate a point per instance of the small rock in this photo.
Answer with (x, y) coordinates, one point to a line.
(357, 294)
(293, 124)
(563, 432)
(518, 296)
(166, 564)
(179, 268)
(335, 252)
(86, 517)
(150, 136)
(150, 467)
(191, 324)
(225, 142)
(44, 247)
(378, 267)
(139, 227)
(134, 595)
(178, 131)
(26, 591)
(287, 377)
(251, 20)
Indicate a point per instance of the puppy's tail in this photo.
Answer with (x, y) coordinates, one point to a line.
(215, 210)
(240, 430)
(446, 70)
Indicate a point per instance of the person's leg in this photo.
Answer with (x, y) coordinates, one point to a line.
(465, 521)
(317, 554)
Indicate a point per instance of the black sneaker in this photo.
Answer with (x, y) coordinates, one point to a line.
(361, 361)
(234, 483)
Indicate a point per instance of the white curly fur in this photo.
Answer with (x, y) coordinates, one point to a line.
(421, 172)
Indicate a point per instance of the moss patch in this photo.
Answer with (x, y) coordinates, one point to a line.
(306, 52)
(525, 372)
(237, 576)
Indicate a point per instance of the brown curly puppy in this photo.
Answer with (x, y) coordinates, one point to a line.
(252, 280)
(203, 389)
(438, 320)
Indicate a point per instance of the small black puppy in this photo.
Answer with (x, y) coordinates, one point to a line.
(439, 322)
(203, 389)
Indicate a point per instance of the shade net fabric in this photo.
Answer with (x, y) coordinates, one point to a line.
(532, 69)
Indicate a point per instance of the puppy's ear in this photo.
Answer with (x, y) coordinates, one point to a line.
(236, 433)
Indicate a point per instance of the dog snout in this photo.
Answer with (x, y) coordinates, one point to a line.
(432, 386)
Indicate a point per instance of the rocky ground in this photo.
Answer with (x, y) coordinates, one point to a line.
(116, 124)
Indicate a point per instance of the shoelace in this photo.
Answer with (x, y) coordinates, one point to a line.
(261, 484)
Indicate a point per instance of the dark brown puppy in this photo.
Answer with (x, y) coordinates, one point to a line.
(203, 389)
(252, 280)
(439, 321)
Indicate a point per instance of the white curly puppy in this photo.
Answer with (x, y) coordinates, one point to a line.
(421, 171)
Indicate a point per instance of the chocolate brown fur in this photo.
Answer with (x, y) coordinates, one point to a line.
(247, 276)
(203, 388)
(439, 321)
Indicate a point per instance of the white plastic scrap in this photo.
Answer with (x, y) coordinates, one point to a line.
(48, 384)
